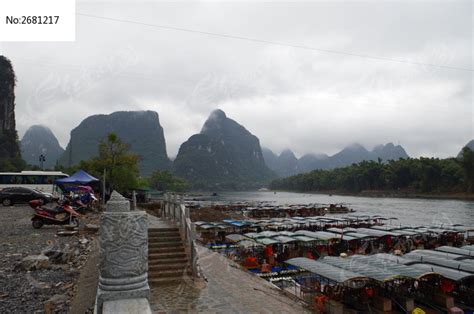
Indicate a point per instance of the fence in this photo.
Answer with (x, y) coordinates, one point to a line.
(174, 209)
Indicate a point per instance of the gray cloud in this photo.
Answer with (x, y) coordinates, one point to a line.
(307, 100)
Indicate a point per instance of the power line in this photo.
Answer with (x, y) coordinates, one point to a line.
(276, 43)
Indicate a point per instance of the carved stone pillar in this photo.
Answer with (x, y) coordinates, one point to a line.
(123, 240)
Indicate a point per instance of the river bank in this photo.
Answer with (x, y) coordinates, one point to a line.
(392, 194)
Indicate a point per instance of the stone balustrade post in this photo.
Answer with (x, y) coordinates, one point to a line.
(123, 253)
(165, 202)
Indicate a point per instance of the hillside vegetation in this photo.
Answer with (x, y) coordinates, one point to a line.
(414, 174)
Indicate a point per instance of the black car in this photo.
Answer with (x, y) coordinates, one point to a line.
(15, 195)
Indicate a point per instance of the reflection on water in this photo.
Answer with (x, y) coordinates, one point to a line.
(408, 211)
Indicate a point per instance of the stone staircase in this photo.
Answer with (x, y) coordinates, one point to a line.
(167, 260)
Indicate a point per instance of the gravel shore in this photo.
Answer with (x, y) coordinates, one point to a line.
(23, 291)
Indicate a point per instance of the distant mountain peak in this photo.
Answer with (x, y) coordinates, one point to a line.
(287, 153)
(355, 147)
(389, 152)
(141, 130)
(287, 164)
(217, 114)
(216, 121)
(223, 154)
(40, 140)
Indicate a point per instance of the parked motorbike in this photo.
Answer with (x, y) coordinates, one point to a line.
(83, 202)
(63, 214)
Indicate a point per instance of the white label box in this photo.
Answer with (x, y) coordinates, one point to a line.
(37, 20)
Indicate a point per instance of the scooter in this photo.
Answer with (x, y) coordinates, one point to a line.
(63, 214)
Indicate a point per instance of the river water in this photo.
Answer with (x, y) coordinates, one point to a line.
(408, 211)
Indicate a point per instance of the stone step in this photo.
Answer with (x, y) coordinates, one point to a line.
(166, 273)
(164, 239)
(166, 255)
(176, 249)
(181, 266)
(164, 281)
(163, 233)
(167, 261)
(159, 230)
(164, 244)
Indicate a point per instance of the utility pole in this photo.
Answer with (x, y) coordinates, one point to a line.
(42, 159)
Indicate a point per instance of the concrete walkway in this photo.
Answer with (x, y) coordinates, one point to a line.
(229, 289)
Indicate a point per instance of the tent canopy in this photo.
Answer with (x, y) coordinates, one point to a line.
(80, 177)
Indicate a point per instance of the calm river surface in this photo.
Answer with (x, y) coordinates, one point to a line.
(408, 211)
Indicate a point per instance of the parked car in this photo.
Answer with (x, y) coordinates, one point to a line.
(15, 195)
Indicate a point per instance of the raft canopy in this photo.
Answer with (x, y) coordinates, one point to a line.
(319, 235)
(453, 274)
(394, 258)
(377, 233)
(337, 230)
(254, 235)
(398, 269)
(385, 228)
(468, 247)
(236, 223)
(249, 244)
(286, 233)
(236, 237)
(268, 234)
(285, 239)
(267, 241)
(200, 223)
(455, 250)
(417, 230)
(442, 254)
(371, 272)
(207, 226)
(360, 236)
(303, 238)
(378, 269)
(406, 233)
(323, 235)
(464, 265)
(330, 272)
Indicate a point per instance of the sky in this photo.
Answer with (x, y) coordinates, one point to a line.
(328, 84)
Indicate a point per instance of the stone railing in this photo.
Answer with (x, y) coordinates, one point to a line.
(173, 208)
(123, 259)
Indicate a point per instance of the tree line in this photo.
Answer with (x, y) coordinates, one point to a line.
(424, 175)
(121, 169)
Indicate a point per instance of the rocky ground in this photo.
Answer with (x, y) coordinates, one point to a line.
(38, 269)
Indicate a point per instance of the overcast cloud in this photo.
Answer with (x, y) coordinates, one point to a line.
(309, 101)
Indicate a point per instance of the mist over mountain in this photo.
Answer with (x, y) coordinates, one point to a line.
(310, 162)
(223, 155)
(40, 140)
(141, 130)
(286, 164)
(271, 159)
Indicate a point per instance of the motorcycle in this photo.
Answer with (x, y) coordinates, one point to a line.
(63, 214)
(83, 202)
